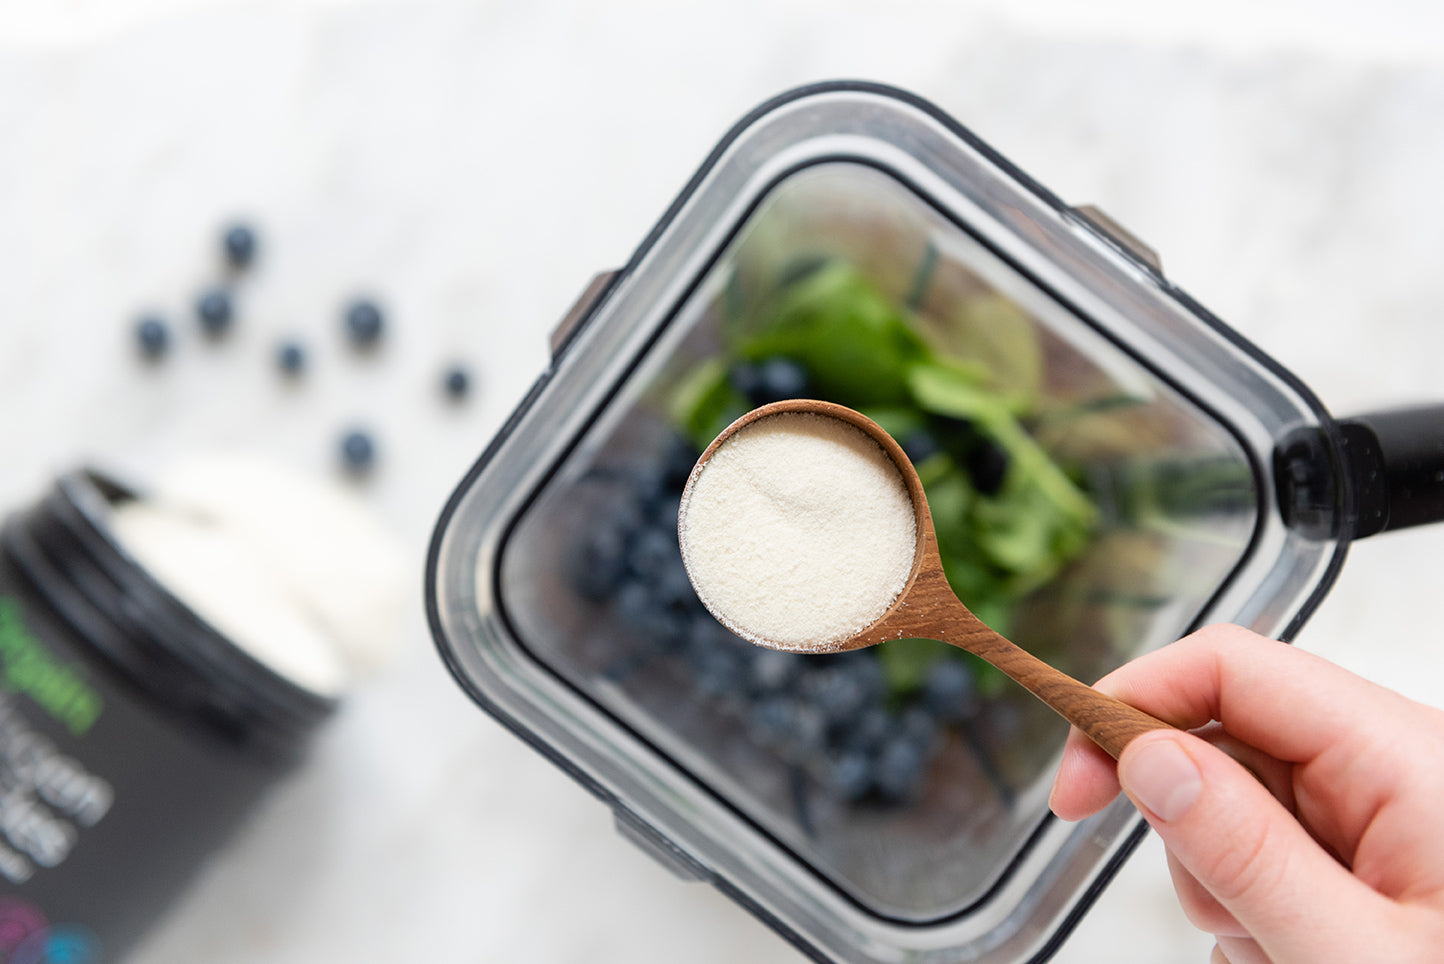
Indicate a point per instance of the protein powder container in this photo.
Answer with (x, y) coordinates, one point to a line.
(157, 676)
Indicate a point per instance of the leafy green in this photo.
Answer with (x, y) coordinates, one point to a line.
(853, 341)
(705, 403)
(999, 540)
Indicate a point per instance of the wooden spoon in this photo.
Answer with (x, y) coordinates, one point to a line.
(927, 607)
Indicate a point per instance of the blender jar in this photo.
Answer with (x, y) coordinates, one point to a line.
(1108, 465)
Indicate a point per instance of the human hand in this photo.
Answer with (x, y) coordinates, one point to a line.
(1331, 850)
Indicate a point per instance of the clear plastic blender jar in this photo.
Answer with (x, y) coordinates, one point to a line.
(1109, 467)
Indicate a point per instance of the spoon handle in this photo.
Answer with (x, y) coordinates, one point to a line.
(1107, 721)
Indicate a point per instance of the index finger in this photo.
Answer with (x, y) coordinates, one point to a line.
(1280, 700)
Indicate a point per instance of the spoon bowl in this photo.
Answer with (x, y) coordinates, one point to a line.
(928, 608)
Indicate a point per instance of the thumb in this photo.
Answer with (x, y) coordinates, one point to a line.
(1244, 848)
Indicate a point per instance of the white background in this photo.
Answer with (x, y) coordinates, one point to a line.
(471, 164)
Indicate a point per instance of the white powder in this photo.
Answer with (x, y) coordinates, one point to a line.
(798, 532)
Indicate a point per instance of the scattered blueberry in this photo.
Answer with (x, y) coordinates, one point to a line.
(291, 358)
(153, 335)
(456, 382)
(215, 312)
(364, 324)
(358, 451)
(240, 246)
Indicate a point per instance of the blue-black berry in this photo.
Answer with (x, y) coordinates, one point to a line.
(358, 451)
(291, 358)
(456, 382)
(153, 336)
(920, 446)
(778, 379)
(949, 689)
(364, 324)
(770, 380)
(987, 466)
(214, 311)
(240, 246)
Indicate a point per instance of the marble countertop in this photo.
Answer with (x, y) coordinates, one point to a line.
(470, 165)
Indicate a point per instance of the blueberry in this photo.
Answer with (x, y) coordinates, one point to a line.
(745, 377)
(773, 670)
(215, 312)
(900, 768)
(770, 719)
(656, 624)
(867, 671)
(867, 730)
(364, 323)
(662, 512)
(918, 726)
(957, 436)
(679, 456)
(920, 446)
(789, 725)
(835, 692)
(358, 451)
(987, 466)
(949, 691)
(653, 550)
(717, 672)
(648, 482)
(777, 379)
(153, 335)
(239, 243)
(291, 358)
(456, 382)
(849, 775)
(673, 588)
(598, 563)
(706, 636)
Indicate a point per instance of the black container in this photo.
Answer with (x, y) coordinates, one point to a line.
(134, 737)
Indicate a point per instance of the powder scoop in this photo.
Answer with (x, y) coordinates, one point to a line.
(792, 503)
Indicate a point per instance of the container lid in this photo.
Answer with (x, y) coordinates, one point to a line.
(1099, 453)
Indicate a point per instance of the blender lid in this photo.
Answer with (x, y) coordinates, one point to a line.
(1168, 422)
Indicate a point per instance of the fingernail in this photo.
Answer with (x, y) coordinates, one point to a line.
(1163, 778)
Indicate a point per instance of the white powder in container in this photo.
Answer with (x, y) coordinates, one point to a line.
(798, 531)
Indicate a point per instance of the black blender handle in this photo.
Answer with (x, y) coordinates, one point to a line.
(1396, 464)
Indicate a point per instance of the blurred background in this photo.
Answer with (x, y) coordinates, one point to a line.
(469, 165)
